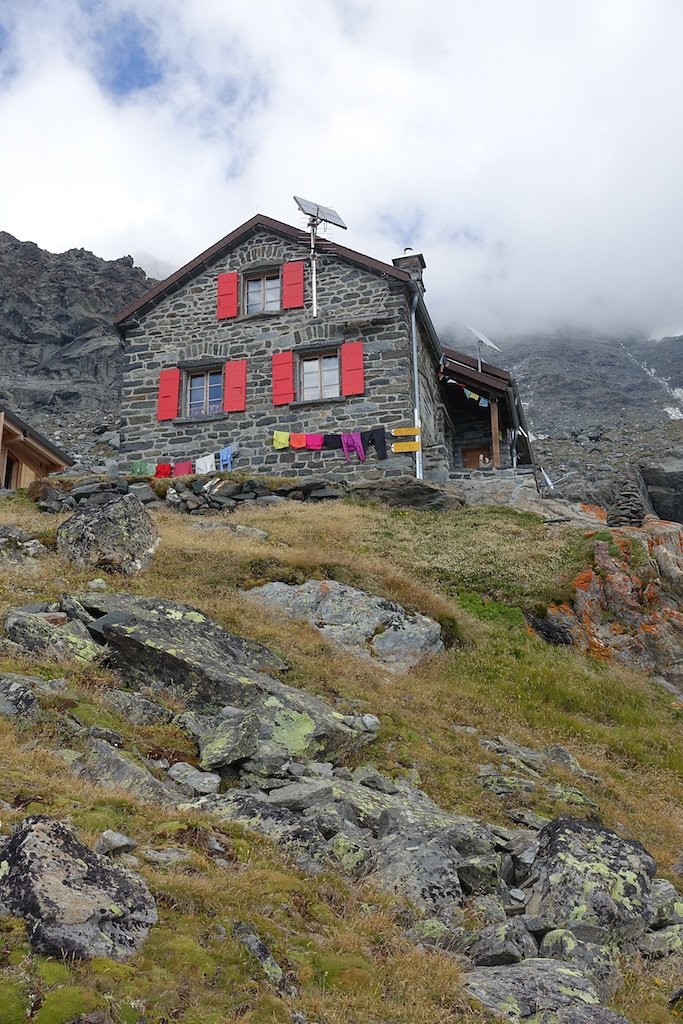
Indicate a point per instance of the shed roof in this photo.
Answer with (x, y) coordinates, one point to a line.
(464, 368)
(214, 252)
(27, 431)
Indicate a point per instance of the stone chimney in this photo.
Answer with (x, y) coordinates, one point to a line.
(414, 263)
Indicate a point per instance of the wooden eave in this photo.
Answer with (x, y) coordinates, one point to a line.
(15, 432)
(214, 252)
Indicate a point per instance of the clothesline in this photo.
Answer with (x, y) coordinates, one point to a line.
(357, 442)
(221, 460)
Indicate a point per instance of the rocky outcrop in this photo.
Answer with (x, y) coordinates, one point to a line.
(60, 350)
(75, 903)
(370, 626)
(629, 606)
(119, 537)
(162, 644)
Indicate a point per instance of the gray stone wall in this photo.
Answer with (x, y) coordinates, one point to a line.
(183, 331)
(436, 456)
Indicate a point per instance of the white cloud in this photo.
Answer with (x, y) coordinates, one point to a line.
(529, 149)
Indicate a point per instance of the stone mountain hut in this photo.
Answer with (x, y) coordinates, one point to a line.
(226, 356)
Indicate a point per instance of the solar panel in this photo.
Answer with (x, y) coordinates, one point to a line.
(482, 337)
(320, 213)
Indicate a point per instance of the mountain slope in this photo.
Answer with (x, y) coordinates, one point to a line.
(59, 352)
(343, 945)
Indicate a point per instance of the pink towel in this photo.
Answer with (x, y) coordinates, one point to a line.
(314, 442)
(182, 469)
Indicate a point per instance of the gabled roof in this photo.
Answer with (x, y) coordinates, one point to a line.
(195, 266)
(21, 427)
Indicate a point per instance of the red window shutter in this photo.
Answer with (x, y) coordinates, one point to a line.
(169, 394)
(235, 386)
(283, 378)
(293, 285)
(353, 378)
(228, 287)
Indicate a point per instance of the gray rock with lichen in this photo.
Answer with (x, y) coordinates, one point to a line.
(504, 943)
(34, 634)
(370, 626)
(136, 708)
(106, 766)
(118, 536)
(17, 699)
(593, 882)
(596, 962)
(163, 645)
(298, 837)
(75, 903)
(520, 991)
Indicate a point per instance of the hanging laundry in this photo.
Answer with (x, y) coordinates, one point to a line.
(280, 439)
(484, 403)
(376, 437)
(206, 464)
(297, 440)
(352, 443)
(226, 455)
(314, 442)
(472, 394)
(163, 469)
(139, 468)
(332, 442)
(150, 469)
(182, 468)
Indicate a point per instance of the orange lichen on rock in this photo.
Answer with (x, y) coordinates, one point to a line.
(584, 580)
(596, 511)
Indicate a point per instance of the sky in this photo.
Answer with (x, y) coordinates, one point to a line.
(531, 149)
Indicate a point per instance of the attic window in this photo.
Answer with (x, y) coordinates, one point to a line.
(262, 293)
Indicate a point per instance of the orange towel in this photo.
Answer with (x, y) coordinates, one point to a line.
(297, 440)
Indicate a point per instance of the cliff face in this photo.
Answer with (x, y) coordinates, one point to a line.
(59, 352)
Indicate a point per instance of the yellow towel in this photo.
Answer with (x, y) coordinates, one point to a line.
(281, 439)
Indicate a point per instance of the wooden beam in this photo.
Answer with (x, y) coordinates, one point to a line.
(495, 429)
(3, 451)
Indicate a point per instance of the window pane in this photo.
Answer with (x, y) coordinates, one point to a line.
(254, 296)
(272, 293)
(215, 379)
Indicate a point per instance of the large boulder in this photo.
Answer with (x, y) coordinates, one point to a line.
(594, 883)
(118, 536)
(370, 626)
(520, 991)
(163, 645)
(75, 903)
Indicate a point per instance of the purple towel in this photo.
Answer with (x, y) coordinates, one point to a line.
(353, 443)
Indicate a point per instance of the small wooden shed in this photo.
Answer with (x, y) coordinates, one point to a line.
(25, 454)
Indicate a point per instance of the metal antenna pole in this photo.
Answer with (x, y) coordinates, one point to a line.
(479, 355)
(313, 224)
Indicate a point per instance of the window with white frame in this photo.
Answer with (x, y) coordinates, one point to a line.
(204, 392)
(319, 376)
(262, 292)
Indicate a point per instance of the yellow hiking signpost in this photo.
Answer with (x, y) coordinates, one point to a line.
(405, 431)
(406, 446)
